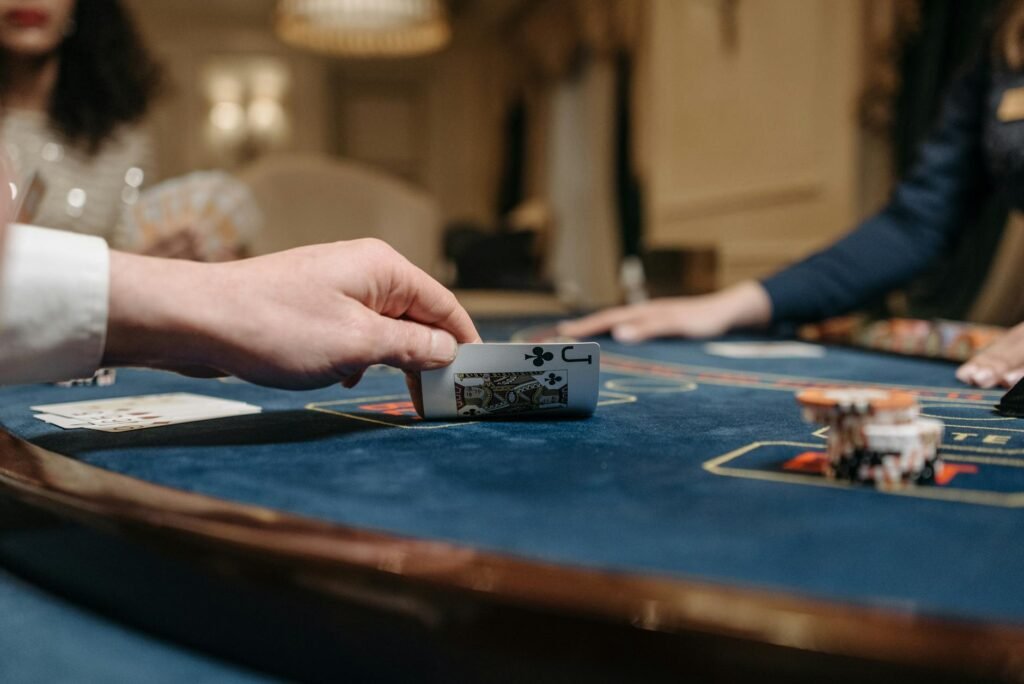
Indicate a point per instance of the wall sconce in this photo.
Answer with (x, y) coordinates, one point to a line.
(246, 114)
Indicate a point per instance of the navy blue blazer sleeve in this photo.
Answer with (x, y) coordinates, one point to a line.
(927, 208)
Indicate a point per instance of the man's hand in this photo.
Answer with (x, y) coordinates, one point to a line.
(1001, 363)
(299, 319)
(745, 304)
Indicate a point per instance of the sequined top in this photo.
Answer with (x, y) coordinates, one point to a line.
(971, 156)
(83, 193)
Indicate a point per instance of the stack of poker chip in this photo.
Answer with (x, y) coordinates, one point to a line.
(875, 435)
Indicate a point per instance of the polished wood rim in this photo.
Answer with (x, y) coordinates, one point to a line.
(336, 560)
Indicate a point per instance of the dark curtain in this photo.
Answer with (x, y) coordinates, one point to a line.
(627, 186)
(951, 32)
(510, 187)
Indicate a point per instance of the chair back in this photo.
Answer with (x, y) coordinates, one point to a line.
(309, 199)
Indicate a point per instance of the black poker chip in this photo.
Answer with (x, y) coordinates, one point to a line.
(1012, 403)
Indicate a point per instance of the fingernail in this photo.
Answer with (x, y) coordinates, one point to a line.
(1011, 379)
(625, 333)
(443, 347)
(985, 378)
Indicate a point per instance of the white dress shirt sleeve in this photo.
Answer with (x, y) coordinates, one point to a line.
(54, 289)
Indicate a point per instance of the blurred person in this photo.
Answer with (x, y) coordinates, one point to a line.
(75, 84)
(975, 151)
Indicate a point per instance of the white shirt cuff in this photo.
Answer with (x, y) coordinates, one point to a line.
(54, 290)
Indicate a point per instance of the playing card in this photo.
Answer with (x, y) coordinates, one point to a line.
(218, 210)
(61, 421)
(30, 196)
(134, 413)
(765, 350)
(510, 379)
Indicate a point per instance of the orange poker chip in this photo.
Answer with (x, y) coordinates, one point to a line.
(862, 398)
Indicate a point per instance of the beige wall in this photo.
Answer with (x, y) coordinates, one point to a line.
(435, 121)
(751, 141)
(746, 122)
(186, 35)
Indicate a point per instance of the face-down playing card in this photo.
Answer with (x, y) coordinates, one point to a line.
(123, 414)
(509, 379)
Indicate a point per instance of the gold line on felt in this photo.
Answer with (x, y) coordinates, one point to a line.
(973, 496)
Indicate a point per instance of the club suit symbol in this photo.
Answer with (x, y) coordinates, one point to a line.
(553, 379)
(539, 356)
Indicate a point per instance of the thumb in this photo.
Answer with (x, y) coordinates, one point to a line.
(412, 346)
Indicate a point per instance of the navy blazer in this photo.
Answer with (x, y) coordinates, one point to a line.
(969, 156)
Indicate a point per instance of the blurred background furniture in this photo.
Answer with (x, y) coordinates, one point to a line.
(308, 199)
(723, 139)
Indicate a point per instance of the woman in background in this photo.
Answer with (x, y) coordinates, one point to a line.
(977, 150)
(75, 83)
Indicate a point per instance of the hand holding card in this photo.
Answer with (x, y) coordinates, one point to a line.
(509, 379)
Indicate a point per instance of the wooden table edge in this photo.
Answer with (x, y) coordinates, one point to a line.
(334, 556)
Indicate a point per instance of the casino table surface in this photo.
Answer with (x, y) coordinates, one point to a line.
(685, 528)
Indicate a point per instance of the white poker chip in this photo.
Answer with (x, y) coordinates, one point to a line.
(926, 432)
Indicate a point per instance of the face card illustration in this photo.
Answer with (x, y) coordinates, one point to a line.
(485, 394)
(510, 379)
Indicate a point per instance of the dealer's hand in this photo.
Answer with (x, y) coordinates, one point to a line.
(300, 319)
(745, 304)
(1000, 363)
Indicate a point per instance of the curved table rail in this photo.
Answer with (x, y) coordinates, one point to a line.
(431, 581)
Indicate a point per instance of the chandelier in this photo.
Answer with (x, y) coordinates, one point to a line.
(364, 28)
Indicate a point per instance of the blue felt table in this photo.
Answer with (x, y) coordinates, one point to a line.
(693, 466)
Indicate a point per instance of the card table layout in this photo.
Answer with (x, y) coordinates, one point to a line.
(685, 531)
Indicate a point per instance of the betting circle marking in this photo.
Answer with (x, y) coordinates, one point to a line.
(640, 385)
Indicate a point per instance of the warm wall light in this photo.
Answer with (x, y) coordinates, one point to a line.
(246, 115)
(227, 117)
(364, 28)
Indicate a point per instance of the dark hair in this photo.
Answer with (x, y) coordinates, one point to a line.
(106, 76)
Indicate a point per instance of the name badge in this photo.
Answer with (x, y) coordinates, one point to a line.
(1011, 107)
